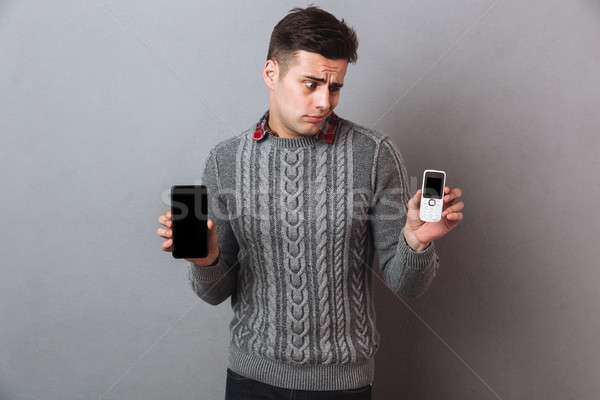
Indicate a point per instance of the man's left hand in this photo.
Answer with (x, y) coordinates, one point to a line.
(419, 234)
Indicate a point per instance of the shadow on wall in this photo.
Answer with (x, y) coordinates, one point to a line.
(462, 309)
(412, 361)
(463, 338)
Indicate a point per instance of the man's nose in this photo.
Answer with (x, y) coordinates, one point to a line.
(322, 98)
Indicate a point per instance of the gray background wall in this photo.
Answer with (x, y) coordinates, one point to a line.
(104, 105)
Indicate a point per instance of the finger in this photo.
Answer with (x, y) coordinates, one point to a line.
(415, 200)
(212, 230)
(454, 194)
(454, 208)
(164, 221)
(165, 233)
(168, 214)
(455, 217)
(213, 241)
(167, 245)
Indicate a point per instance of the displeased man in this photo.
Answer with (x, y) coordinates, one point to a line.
(299, 204)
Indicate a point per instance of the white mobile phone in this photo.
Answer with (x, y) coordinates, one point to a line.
(432, 195)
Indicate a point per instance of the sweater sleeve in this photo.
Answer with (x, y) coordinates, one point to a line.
(216, 283)
(407, 272)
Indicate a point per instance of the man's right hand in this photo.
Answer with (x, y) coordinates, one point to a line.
(213, 244)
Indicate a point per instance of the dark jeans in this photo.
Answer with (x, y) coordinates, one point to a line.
(242, 388)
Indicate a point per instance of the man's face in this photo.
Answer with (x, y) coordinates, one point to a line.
(301, 100)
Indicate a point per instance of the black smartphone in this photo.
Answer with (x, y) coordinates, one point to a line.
(189, 213)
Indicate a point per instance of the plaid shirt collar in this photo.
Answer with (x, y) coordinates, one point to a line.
(325, 134)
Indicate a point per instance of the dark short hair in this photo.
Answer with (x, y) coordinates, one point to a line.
(314, 30)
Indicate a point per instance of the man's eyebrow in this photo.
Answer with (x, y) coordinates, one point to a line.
(312, 78)
(323, 80)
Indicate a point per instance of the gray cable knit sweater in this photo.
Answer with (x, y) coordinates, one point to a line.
(298, 222)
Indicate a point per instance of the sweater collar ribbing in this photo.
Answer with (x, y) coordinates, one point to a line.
(295, 143)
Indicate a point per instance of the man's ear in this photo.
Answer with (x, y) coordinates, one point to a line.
(271, 73)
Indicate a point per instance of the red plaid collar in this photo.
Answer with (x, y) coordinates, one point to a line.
(325, 134)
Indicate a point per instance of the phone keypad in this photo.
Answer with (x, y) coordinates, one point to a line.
(431, 210)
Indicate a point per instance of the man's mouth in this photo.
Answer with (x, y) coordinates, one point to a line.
(316, 118)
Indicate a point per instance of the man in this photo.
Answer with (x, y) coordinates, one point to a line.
(299, 205)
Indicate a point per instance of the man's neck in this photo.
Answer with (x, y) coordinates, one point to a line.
(281, 133)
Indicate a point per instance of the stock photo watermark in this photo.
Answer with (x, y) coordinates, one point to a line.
(228, 204)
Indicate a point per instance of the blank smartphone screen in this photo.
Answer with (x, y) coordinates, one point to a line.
(189, 209)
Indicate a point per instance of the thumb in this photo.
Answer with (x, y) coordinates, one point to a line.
(415, 202)
(213, 242)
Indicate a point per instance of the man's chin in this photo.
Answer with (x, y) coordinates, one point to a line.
(307, 134)
(310, 129)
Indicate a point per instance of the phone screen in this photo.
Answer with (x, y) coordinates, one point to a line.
(433, 187)
(189, 213)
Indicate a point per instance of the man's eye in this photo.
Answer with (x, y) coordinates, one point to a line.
(334, 89)
(311, 85)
